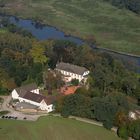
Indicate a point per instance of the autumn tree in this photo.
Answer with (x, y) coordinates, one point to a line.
(38, 53)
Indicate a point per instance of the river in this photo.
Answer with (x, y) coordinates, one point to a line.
(44, 32)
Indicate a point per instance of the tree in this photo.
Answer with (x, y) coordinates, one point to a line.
(106, 108)
(123, 132)
(104, 111)
(53, 80)
(75, 82)
(134, 129)
(77, 105)
(121, 119)
(38, 53)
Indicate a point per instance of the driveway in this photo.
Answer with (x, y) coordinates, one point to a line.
(14, 113)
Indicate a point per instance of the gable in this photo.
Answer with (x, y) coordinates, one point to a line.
(43, 102)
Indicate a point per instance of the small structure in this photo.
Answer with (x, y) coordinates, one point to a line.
(134, 114)
(30, 94)
(70, 72)
(68, 90)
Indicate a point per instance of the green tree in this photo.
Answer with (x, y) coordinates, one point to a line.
(75, 82)
(134, 129)
(77, 105)
(123, 132)
(38, 53)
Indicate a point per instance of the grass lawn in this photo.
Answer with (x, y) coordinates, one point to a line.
(53, 128)
(113, 28)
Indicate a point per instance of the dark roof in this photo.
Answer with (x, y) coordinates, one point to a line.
(71, 68)
(33, 97)
(38, 98)
(25, 92)
(21, 92)
(23, 89)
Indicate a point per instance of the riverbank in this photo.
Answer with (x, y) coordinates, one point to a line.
(44, 32)
(115, 31)
(40, 25)
(117, 52)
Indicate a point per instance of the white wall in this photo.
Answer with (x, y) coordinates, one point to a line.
(35, 91)
(42, 105)
(73, 75)
(86, 73)
(15, 94)
(50, 108)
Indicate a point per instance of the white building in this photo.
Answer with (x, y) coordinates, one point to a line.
(134, 114)
(70, 72)
(30, 94)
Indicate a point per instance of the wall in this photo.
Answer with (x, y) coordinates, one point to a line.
(35, 91)
(15, 94)
(72, 75)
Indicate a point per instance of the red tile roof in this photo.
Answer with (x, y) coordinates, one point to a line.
(69, 90)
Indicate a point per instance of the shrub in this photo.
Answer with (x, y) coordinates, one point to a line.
(4, 112)
(75, 82)
(123, 132)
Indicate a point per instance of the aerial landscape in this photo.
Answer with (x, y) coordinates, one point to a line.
(69, 69)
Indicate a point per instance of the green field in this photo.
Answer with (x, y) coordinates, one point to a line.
(53, 128)
(113, 28)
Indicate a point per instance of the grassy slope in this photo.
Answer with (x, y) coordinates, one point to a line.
(113, 28)
(53, 128)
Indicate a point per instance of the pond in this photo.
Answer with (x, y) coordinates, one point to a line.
(44, 32)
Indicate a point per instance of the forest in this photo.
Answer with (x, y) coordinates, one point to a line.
(112, 90)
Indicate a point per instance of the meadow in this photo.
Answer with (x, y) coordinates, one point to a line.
(53, 128)
(112, 28)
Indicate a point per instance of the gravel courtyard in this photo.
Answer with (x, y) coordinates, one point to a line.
(20, 115)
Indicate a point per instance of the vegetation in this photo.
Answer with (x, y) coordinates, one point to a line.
(3, 30)
(132, 5)
(75, 82)
(107, 97)
(131, 129)
(8, 27)
(52, 80)
(108, 26)
(1, 100)
(3, 112)
(53, 128)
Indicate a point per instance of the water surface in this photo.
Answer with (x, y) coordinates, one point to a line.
(44, 32)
